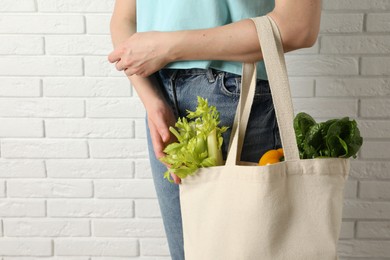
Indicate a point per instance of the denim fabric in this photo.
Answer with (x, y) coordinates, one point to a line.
(222, 89)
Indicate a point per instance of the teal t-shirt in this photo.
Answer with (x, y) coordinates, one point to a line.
(174, 15)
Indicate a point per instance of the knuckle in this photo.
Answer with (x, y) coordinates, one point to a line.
(127, 61)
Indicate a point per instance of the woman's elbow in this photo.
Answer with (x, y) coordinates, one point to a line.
(310, 35)
(297, 34)
(304, 37)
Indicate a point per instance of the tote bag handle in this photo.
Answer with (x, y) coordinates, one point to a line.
(273, 56)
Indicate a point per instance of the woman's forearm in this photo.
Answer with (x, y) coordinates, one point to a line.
(122, 29)
(298, 22)
(234, 42)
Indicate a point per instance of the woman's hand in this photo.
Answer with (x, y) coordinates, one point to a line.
(143, 53)
(160, 118)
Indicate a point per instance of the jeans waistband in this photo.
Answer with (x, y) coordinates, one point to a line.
(174, 73)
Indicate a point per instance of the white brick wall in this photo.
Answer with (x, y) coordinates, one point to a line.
(75, 182)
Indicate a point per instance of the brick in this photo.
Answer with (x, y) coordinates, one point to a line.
(20, 127)
(91, 208)
(370, 5)
(21, 208)
(39, 107)
(366, 209)
(2, 194)
(341, 23)
(78, 45)
(378, 22)
(370, 170)
(45, 227)
(86, 87)
(357, 44)
(44, 148)
(90, 169)
(323, 107)
(20, 87)
(96, 246)
(375, 108)
(98, 24)
(47, 258)
(47, 188)
(364, 248)
(352, 87)
(347, 229)
(20, 45)
(39, 24)
(375, 150)
(115, 107)
(147, 208)
(133, 258)
(375, 66)
(17, 6)
(322, 65)
(140, 129)
(373, 229)
(301, 87)
(21, 168)
(124, 189)
(350, 190)
(63, 6)
(40, 66)
(154, 247)
(25, 247)
(128, 228)
(99, 66)
(374, 190)
(111, 148)
(374, 128)
(143, 169)
(90, 128)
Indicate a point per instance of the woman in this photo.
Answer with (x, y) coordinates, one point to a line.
(173, 51)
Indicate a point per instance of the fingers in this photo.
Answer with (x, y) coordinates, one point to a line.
(115, 55)
(176, 179)
(130, 69)
(160, 135)
(163, 130)
(158, 144)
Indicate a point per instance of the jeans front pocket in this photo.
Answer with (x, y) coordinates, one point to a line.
(230, 85)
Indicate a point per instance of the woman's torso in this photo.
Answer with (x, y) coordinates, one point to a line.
(173, 15)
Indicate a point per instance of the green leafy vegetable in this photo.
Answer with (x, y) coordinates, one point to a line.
(333, 138)
(199, 141)
(343, 138)
(302, 124)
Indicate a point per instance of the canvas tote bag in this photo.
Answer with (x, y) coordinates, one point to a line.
(242, 211)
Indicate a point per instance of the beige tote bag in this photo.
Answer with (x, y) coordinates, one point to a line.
(288, 210)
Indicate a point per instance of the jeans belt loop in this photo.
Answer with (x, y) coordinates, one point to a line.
(210, 75)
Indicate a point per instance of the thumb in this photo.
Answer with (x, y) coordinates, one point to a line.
(165, 134)
(163, 130)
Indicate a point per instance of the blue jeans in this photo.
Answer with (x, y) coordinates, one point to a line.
(181, 88)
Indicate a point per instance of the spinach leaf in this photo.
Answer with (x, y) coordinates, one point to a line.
(302, 124)
(333, 138)
(343, 138)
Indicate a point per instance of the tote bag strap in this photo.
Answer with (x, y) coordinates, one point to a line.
(273, 56)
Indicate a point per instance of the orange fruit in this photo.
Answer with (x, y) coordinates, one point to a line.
(271, 156)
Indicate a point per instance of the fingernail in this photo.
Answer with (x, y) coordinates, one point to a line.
(165, 138)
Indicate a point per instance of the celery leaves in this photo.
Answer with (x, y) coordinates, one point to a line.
(199, 141)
